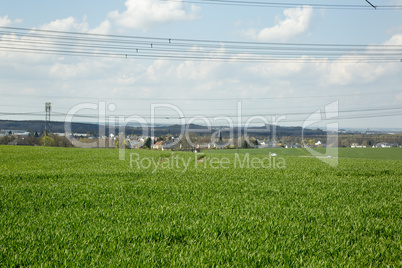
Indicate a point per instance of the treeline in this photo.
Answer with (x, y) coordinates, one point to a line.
(50, 140)
(369, 140)
(346, 140)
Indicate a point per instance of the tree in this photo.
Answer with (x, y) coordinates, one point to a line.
(49, 141)
(148, 143)
(245, 144)
(61, 141)
(345, 143)
(116, 145)
(7, 139)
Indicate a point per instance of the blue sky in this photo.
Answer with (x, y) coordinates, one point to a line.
(28, 80)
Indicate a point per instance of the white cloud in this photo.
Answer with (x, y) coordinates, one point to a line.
(68, 71)
(158, 71)
(103, 28)
(53, 66)
(353, 72)
(200, 70)
(67, 24)
(275, 70)
(72, 24)
(347, 70)
(21, 59)
(5, 21)
(10, 57)
(394, 40)
(197, 70)
(145, 14)
(297, 20)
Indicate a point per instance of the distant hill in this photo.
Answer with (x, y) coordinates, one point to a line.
(58, 127)
(39, 126)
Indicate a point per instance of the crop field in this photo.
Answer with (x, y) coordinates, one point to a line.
(369, 153)
(86, 207)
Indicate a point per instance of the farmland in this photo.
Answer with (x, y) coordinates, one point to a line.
(81, 207)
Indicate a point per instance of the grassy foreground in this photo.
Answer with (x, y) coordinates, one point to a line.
(81, 207)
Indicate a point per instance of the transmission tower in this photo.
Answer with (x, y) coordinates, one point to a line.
(48, 108)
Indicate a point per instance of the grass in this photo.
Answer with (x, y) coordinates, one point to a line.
(79, 207)
(369, 153)
(372, 153)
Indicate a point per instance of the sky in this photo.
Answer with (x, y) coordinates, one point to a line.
(218, 87)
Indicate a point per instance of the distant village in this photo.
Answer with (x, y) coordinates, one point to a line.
(170, 142)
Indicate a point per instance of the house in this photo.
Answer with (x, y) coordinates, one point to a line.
(169, 145)
(158, 145)
(135, 144)
(382, 145)
(20, 133)
(80, 135)
(202, 146)
(355, 145)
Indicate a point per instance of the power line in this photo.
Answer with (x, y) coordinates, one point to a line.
(147, 40)
(273, 51)
(205, 99)
(395, 111)
(293, 121)
(236, 59)
(99, 45)
(285, 5)
(371, 4)
(264, 109)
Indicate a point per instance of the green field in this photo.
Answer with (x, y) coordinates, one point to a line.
(85, 207)
(369, 153)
